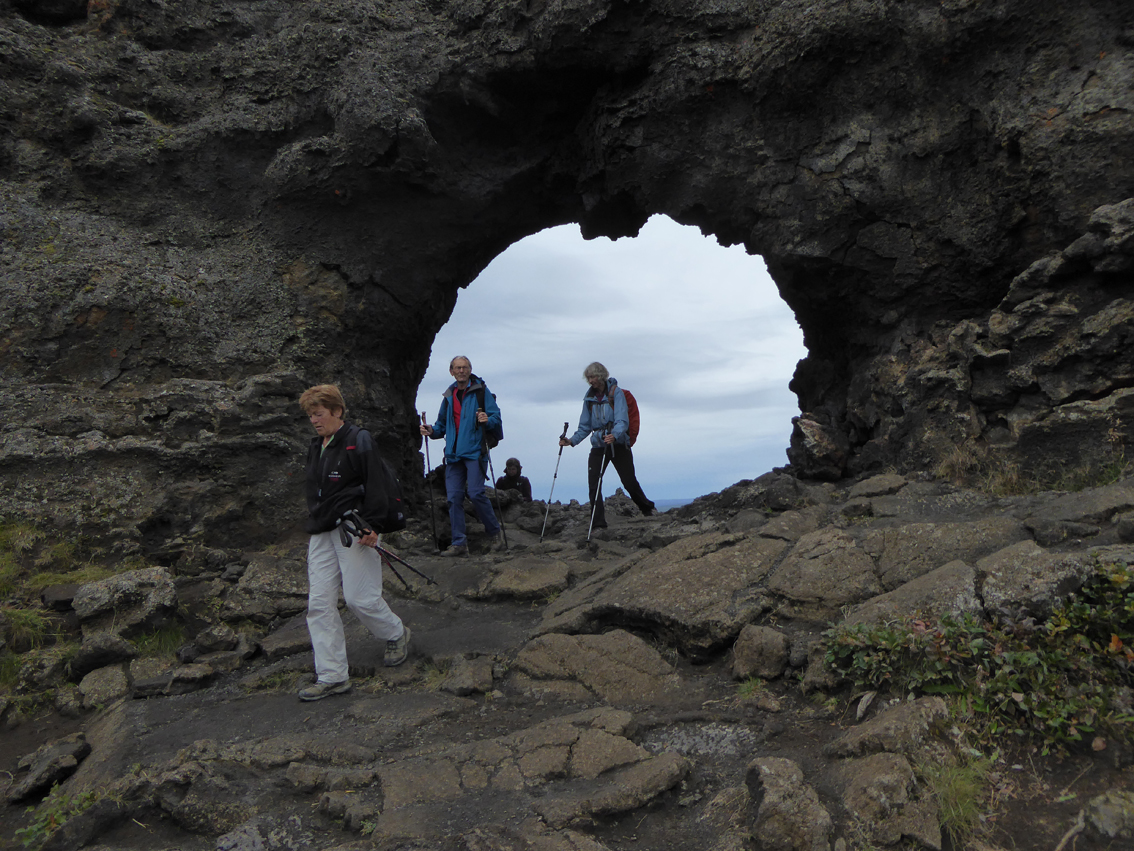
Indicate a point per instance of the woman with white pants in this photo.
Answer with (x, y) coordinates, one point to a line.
(340, 462)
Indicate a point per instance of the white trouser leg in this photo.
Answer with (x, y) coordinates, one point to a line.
(362, 588)
(323, 621)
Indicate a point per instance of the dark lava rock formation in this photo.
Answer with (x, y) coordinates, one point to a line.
(208, 205)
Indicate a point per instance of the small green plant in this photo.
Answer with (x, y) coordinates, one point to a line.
(19, 537)
(55, 811)
(80, 575)
(59, 556)
(9, 574)
(435, 674)
(1052, 683)
(25, 627)
(960, 792)
(10, 665)
(161, 642)
(750, 688)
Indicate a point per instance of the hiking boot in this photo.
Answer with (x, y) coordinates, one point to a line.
(497, 543)
(649, 511)
(320, 690)
(455, 551)
(397, 651)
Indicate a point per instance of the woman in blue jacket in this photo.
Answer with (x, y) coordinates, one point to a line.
(606, 419)
(463, 426)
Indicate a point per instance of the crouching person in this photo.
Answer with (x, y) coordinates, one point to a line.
(341, 460)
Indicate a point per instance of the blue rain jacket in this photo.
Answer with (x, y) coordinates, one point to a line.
(601, 418)
(467, 442)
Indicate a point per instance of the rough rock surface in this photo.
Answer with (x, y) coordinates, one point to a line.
(577, 722)
(208, 205)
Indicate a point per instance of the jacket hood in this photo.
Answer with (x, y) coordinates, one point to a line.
(611, 384)
(474, 384)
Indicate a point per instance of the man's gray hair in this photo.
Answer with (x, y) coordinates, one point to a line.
(596, 370)
(460, 357)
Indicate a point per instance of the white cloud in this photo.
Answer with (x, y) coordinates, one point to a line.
(697, 332)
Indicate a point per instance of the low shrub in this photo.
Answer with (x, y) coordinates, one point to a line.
(1053, 683)
(55, 811)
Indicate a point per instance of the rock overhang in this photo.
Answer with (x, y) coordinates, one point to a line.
(901, 180)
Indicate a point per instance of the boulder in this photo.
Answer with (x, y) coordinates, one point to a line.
(468, 676)
(103, 686)
(100, 649)
(1110, 816)
(698, 593)
(760, 651)
(1025, 577)
(788, 814)
(900, 729)
(271, 587)
(127, 603)
(878, 791)
(50, 764)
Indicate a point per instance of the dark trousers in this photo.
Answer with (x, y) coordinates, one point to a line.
(464, 476)
(623, 460)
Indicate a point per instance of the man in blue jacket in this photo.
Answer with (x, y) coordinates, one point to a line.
(606, 419)
(463, 423)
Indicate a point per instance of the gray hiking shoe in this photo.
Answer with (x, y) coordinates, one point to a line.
(319, 690)
(497, 544)
(397, 651)
(455, 551)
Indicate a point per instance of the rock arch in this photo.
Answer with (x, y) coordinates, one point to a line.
(209, 205)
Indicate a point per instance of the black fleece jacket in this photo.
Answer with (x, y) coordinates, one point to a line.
(337, 477)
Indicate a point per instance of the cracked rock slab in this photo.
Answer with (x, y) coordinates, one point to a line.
(699, 591)
(624, 790)
(617, 667)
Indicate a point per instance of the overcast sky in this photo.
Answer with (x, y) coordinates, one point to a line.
(697, 332)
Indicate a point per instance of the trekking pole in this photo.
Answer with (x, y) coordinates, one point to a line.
(351, 523)
(553, 478)
(495, 492)
(429, 479)
(387, 556)
(597, 495)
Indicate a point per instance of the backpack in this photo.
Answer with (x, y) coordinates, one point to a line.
(634, 416)
(395, 518)
(495, 434)
(386, 482)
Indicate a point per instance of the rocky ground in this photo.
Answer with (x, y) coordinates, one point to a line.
(573, 695)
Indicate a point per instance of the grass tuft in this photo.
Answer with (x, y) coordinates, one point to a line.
(25, 627)
(162, 642)
(961, 793)
(750, 688)
(1001, 476)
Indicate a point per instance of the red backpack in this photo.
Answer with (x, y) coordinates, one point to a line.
(635, 418)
